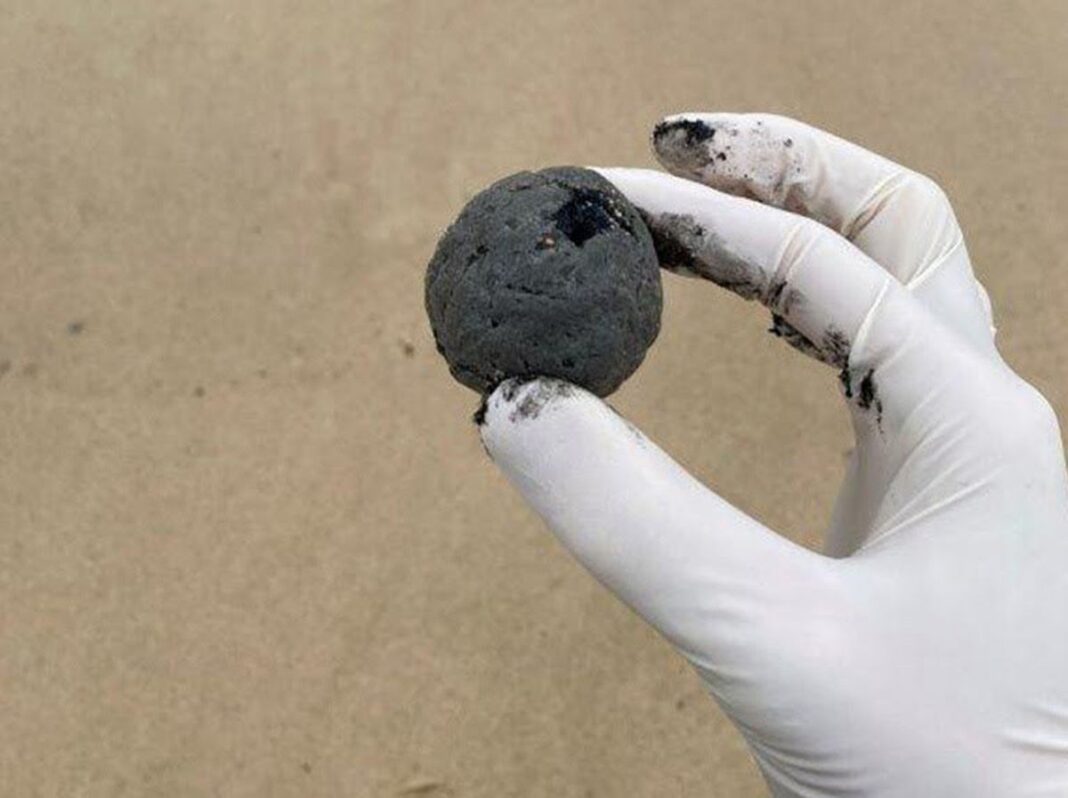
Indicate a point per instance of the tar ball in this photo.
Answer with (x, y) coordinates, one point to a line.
(549, 273)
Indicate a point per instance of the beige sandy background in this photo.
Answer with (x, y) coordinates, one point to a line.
(249, 542)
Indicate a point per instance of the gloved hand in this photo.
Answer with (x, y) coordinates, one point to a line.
(926, 653)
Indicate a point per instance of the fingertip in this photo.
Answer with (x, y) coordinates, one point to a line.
(695, 121)
(681, 143)
(564, 449)
(662, 125)
(519, 402)
(751, 155)
(539, 428)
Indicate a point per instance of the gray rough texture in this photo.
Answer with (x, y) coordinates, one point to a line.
(549, 273)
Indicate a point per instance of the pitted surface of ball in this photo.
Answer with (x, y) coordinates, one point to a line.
(549, 273)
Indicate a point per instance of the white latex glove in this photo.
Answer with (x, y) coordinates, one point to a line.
(927, 653)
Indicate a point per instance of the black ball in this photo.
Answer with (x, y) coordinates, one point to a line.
(549, 273)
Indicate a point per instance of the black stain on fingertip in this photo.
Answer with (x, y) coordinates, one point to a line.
(675, 239)
(690, 131)
(832, 348)
(865, 391)
(479, 416)
(541, 393)
(687, 145)
(846, 380)
(76, 328)
(868, 397)
(781, 328)
(775, 297)
(835, 347)
(684, 245)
